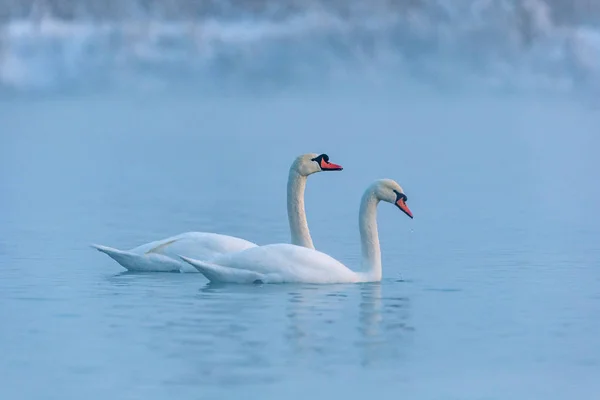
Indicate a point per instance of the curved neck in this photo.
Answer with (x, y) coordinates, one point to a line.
(369, 237)
(295, 208)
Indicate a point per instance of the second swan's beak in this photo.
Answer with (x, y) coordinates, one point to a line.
(402, 206)
(327, 166)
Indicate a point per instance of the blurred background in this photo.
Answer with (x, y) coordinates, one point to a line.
(517, 45)
(124, 122)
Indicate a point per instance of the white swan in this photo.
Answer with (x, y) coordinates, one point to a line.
(281, 263)
(163, 255)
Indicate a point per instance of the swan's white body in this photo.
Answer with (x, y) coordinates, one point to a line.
(163, 255)
(276, 263)
(288, 263)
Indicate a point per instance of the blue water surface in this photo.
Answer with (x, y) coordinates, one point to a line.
(491, 292)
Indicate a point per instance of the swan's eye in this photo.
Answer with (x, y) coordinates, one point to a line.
(400, 196)
(321, 157)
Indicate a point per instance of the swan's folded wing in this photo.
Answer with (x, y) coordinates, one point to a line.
(161, 247)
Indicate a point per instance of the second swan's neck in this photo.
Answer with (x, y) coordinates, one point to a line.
(295, 208)
(369, 237)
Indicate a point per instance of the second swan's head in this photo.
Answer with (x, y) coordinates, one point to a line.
(389, 190)
(308, 164)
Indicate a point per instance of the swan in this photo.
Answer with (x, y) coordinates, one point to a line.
(163, 255)
(289, 263)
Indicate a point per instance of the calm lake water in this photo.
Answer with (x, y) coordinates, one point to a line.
(491, 292)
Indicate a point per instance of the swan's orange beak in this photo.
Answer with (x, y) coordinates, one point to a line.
(402, 205)
(327, 166)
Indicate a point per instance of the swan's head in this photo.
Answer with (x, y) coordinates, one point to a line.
(308, 164)
(390, 191)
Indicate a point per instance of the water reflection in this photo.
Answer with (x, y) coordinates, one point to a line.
(218, 333)
(383, 324)
(316, 316)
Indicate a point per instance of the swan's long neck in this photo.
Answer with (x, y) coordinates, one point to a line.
(369, 237)
(296, 213)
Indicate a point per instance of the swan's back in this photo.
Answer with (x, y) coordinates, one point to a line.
(288, 262)
(200, 245)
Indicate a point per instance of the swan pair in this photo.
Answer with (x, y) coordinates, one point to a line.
(229, 259)
(163, 255)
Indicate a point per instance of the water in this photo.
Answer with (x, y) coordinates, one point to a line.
(491, 292)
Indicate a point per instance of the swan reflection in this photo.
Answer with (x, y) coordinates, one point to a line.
(318, 315)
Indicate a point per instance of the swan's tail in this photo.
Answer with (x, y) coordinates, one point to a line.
(116, 254)
(218, 273)
(139, 263)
